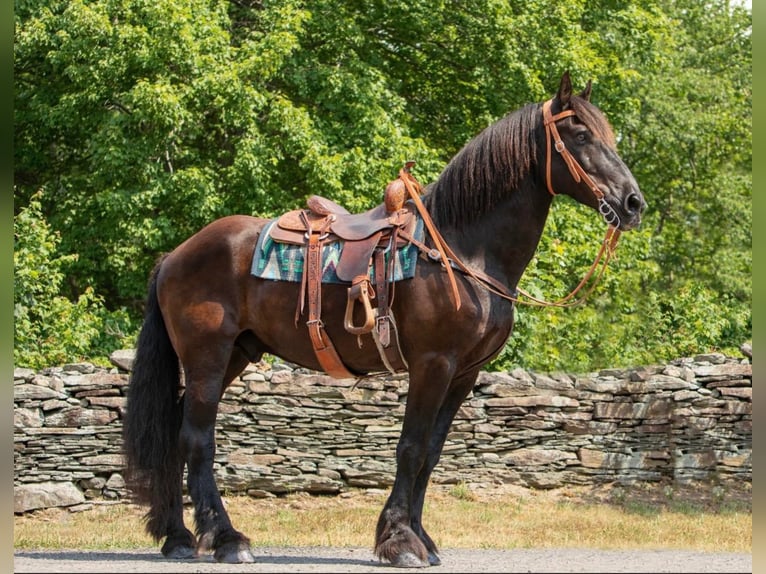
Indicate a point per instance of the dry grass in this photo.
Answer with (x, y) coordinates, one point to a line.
(700, 517)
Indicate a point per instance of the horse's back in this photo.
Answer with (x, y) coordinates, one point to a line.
(223, 242)
(228, 230)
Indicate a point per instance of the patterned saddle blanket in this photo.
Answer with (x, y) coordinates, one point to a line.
(280, 261)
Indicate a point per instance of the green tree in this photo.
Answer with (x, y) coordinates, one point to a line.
(50, 329)
(145, 121)
(678, 90)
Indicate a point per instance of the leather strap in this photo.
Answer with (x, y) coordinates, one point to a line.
(608, 246)
(413, 188)
(323, 348)
(381, 288)
(552, 133)
(577, 171)
(385, 333)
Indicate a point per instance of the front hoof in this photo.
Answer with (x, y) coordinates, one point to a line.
(433, 559)
(180, 546)
(180, 553)
(234, 553)
(409, 560)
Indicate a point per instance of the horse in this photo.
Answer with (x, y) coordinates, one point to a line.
(207, 317)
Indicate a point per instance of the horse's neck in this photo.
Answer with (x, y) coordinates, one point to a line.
(503, 240)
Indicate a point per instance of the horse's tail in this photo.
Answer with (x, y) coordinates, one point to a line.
(153, 419)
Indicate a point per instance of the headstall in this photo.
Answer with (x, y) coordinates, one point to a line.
(608, 245)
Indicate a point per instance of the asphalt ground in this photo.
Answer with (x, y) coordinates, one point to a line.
(328, 559)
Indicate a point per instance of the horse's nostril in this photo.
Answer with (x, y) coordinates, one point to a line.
(634, 203)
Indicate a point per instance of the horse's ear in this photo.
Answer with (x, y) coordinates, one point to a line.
(585, 94)
(565, 90)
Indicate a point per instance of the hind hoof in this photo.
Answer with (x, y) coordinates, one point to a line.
(433, 559)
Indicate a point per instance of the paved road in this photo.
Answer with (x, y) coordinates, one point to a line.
(324, 559)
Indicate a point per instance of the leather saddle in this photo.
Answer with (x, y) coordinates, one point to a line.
(367, 238)
(361, 233)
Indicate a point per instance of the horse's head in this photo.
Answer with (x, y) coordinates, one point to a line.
(581, 159)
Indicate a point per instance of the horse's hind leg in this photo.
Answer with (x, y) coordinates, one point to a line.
(205, 383)
(150, 430)
(180, 542)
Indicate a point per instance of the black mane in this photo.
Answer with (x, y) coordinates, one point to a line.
(495, 162)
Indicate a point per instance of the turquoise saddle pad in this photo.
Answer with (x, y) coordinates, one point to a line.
(284, 262)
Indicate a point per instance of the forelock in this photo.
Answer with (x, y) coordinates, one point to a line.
(594, 119)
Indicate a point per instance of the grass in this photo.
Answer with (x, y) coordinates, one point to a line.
(456, 516)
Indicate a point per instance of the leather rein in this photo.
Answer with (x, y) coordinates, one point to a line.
(449, 259)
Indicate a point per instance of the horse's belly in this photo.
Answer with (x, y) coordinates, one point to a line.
(276, 318)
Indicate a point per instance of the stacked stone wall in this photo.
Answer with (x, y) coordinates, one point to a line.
(283, 430)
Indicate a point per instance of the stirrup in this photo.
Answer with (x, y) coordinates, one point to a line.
(360, 290)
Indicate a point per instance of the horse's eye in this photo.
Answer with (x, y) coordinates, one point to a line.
(581, 137)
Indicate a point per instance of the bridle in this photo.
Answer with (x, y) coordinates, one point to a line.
(578, 173)
(608, 245)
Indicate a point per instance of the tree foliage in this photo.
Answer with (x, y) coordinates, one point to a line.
(50, 329)
(143, 121)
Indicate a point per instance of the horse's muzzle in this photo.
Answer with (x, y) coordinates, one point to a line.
(632, 206)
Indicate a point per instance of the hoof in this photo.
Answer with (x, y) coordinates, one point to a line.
(234, 554)
(409, 560)
(433, 559)
(180, 546)
(179, 553)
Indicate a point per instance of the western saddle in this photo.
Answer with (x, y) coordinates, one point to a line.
(367, 238)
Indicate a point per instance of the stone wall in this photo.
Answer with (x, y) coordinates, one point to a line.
(282, 430)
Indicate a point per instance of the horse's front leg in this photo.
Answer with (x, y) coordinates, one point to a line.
(395, 540)
(214, 528)
(458, 391)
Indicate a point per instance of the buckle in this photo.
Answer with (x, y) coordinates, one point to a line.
(434, 255)
(322, 237)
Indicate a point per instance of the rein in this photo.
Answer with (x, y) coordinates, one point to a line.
(448, 257)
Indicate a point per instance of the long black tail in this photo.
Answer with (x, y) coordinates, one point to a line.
(153, 419)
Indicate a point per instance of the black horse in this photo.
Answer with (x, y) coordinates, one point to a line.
(207, 317)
